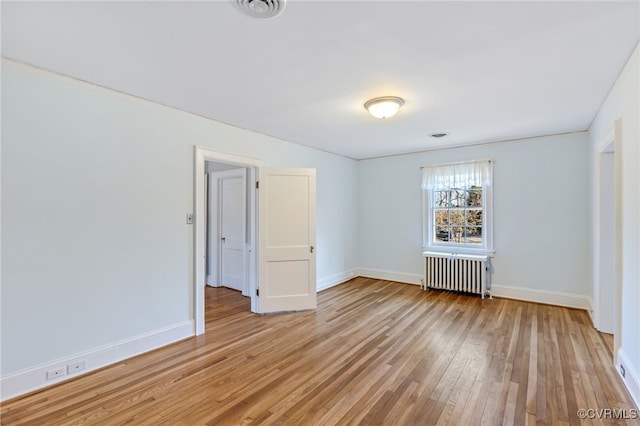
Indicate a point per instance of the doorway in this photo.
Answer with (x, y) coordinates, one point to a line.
(201, 157)
(607, 291)
(227, 223)
(282, 253)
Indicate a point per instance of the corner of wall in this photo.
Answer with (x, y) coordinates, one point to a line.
(35, 378)
(336, 279)
(591, 311)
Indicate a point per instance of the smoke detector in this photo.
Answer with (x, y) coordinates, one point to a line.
(262, 9)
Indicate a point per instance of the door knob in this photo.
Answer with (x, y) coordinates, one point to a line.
(311, 249)
(223, 239)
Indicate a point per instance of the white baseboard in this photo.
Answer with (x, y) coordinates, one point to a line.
(548, 297)
(334, 280)
(401, 277)
(631, 377)
(34, 378)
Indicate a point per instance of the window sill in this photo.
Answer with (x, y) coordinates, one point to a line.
(459, 250)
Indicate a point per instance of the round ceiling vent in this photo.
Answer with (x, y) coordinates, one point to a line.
(263, 9)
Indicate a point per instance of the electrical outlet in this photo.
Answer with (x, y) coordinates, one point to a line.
(622, 370)
(56, 372)
(77, 366)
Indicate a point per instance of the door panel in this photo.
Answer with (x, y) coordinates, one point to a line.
(289, 194)
(287, 234)
(288, 274)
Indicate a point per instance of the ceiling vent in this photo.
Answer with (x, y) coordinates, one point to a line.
(263, 9)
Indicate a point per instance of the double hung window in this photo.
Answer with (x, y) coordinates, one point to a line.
(457, 206)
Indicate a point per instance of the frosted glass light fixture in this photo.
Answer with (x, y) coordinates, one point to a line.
(384, 107)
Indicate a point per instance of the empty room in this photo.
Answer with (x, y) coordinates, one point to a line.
(320, 212)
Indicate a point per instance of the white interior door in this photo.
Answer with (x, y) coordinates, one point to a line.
(232, 195)
(287, 239)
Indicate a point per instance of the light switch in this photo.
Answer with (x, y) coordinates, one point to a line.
(189, 218)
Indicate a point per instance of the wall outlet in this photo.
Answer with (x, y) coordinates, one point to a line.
(77, 366)
(56, 372)
(622, 370)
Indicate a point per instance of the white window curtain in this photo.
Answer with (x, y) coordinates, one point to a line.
(457, 175)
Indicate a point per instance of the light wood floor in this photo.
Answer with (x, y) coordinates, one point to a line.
(374, 353)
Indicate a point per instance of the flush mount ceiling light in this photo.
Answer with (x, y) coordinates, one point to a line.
(263, 9)
(384, 107)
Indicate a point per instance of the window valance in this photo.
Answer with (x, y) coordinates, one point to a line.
(456, 175)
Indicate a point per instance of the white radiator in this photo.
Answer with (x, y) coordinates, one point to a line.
(457, 272)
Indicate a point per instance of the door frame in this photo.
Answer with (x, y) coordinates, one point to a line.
(609, 144)
(201, 156)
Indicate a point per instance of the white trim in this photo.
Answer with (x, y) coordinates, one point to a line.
(598, 149)
(200, 156)
(336, 279)
(631, 377)
(607, 139)
(611, 137)
(453, 255)
(34, 378)
(400, 277)
(464, 250)
(547, 297)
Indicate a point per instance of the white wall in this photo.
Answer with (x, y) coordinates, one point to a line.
(95, 188)
(623, 103)
(541, 214)
(96, 184)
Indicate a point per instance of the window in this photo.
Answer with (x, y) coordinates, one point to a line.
(457, 200)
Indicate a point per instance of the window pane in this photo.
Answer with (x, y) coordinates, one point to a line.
(474, 235)
(441, 198)
(474, 217)
(456, 217)
(457, 197)
(442, 217)
(457, 234)
(442, 234)
(474, 197)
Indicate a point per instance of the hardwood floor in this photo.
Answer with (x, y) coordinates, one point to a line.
(374, 353)
(608, 341)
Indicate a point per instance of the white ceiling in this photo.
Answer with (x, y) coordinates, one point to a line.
(482, 71)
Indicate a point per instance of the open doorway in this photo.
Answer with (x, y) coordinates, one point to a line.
(227, 240)
(227, 226)
(201, 236)
(607, 291)
(282, 253)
